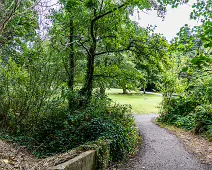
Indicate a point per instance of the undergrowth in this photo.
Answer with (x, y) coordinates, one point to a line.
(188, 114)
(61, 129)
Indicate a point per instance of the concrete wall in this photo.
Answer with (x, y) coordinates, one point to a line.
(84, 161)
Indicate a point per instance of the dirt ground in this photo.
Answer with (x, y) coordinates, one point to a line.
(14, 157)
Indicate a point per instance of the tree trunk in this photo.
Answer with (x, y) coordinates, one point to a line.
(86, 91)
(144, 87)
(72, 62)
(124, 90)
(102, 90)
(88, 86)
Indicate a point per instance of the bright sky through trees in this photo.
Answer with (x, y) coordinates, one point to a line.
(174, 19)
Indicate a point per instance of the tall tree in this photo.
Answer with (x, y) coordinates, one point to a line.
(100, 27)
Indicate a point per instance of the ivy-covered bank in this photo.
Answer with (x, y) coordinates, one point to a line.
(51, 133)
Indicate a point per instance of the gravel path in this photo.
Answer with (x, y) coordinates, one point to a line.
(161, 150)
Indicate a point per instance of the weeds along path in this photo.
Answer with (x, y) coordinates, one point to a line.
(161, 150)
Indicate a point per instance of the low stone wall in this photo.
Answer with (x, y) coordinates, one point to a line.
(84, 161)
(93, 156)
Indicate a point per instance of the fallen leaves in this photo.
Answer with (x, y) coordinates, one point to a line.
(5, 160)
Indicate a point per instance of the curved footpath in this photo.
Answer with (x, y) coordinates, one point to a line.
(161, 150)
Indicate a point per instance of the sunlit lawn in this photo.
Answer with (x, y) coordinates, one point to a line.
(148, 103)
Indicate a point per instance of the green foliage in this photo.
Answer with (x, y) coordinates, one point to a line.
(187, 122)
(176, 107)
(203, 119)
(27, 90)
(188, 115)
(59, 131)
(191, 109)
(118, 72)
(94, 43)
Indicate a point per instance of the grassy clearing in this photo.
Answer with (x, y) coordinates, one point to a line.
(141, 103)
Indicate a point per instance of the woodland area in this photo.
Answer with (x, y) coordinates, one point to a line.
(52, 85)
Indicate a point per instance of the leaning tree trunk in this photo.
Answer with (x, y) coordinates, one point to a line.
(86, 91)
(88, 86)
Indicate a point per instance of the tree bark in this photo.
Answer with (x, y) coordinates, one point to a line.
(5, 21)
(72, 61)
(88, 86)
(124, 90)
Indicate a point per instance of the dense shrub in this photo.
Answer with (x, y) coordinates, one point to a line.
(187, 122)
(38, 111)
(176, 107)
(191, 109)
(61, 130)
(182, 112)
(27, 91)
(203, 119)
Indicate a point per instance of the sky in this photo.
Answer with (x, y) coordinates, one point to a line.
(174, 20)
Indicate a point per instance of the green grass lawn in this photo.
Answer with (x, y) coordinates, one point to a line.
(141, 103)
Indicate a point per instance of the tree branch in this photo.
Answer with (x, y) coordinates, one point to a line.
(113, 51)
(101, 75)
(7, 20)
(85, 48)
(107, 13)
(101, 16)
